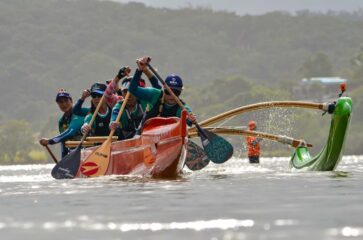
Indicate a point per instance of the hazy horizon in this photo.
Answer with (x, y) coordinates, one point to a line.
(243, 7)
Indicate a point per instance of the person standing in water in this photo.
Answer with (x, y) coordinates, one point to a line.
(253, 144)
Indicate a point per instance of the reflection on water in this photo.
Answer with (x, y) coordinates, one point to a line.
(234, 200)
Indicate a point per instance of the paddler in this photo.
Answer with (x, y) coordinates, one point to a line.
(102, 120)
(69, 124)
(135, 111)
(162, 102)
(253, 144)
(133, 114)
(111, 98)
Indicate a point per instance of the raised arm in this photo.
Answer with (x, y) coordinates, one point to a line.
(110, 96)
(77, 108)
(153, 80)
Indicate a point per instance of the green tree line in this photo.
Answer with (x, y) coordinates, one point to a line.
(225, 60)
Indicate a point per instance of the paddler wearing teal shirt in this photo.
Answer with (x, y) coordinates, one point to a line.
(134, 111)
(163, 104)
(69, 124)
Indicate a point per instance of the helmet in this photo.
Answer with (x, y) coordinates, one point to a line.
(174, 82)
(252, 125)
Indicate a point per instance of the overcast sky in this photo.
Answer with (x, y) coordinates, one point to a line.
(259, 6)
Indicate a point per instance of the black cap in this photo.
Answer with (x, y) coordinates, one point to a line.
(99, 88)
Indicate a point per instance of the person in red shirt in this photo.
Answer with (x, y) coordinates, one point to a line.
(253, 145)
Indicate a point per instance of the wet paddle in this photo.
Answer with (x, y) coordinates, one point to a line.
(196, 157)
(68, 167)
(217, 148)
(96, 163)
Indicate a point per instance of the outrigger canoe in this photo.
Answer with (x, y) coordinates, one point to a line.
(329, 156)
(159, 152)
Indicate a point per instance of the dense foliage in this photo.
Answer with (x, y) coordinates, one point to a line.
(225, 60)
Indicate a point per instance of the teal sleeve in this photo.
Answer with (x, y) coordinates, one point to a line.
(150, 95)
(77, 122)
(87, 120)
(178, 113)
(74, 126)
(115, 111)
(189, 110)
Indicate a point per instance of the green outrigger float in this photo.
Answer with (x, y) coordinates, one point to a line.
(331, 154)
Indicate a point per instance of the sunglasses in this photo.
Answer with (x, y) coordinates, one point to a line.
(176, 92)
(96, 95)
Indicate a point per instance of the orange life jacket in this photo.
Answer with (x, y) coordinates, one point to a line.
(253, 149)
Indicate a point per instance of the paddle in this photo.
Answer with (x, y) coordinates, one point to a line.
(51, 154)
(196, 157)
(68, 167)
(217, 148)
(96, 163)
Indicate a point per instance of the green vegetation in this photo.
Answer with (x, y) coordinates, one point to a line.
(225, 60)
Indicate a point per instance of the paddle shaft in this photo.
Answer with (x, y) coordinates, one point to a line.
(279, 138)
(93, 118)
(166, 86)
(119, 115)
(101, 156)
(51, 154)
(174, 96)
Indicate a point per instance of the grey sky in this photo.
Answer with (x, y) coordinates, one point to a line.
(259, 6)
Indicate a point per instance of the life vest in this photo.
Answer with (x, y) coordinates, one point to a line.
(64, 123)
(159, 109)
(102, 124)
(253, 146)
(134, 119)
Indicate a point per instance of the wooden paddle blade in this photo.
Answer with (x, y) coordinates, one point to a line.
(196, 157)
(67, 168)
(217, 148)
(96, 163)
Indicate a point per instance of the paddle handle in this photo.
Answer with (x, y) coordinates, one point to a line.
(119, 115)
(51, 154)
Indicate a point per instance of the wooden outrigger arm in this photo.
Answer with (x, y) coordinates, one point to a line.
(241, 132)
(263, 105)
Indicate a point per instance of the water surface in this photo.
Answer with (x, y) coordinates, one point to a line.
(235, 200)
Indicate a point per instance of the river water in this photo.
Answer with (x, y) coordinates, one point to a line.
(235, 200)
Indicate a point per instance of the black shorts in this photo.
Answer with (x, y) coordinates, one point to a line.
(254, 159)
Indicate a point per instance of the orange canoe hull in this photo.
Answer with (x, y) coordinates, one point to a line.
(159, 152)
